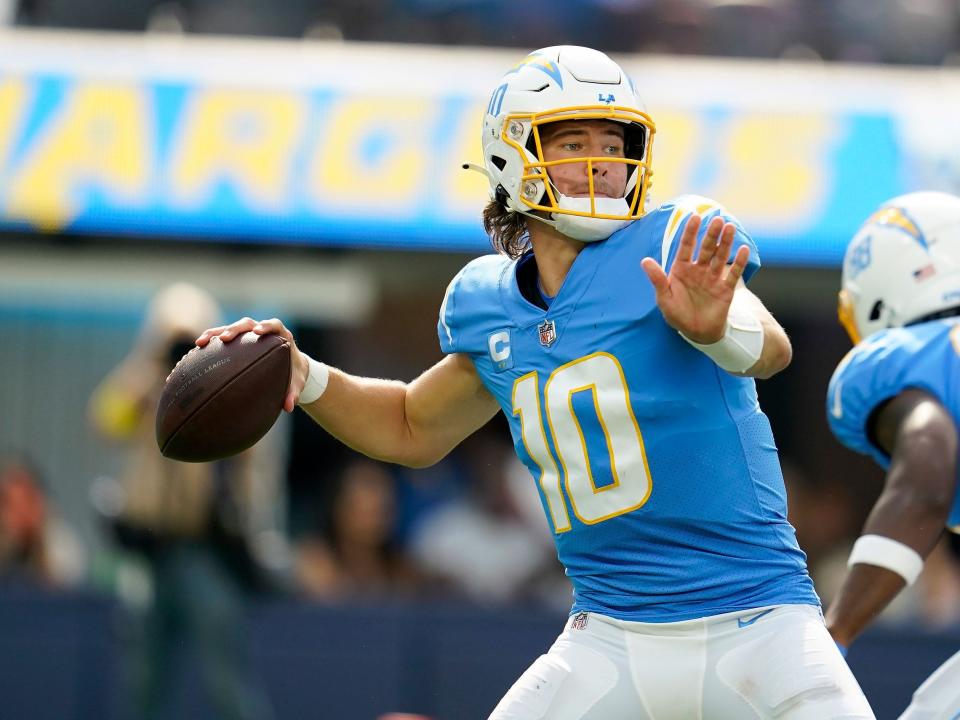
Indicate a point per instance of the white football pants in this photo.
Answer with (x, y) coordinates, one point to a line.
(773, 662)
(939, 696)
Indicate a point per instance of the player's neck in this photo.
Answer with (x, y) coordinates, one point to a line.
(555, 253)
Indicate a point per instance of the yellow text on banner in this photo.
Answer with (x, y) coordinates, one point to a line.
(99, 138)
(13, 99)
(373, 154)
(248, 138)
(776, 168)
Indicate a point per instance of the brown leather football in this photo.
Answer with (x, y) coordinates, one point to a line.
(222, 398)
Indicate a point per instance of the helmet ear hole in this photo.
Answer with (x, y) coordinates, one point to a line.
(499, 162)
(531, 145)
(876, 310)
(635, 141)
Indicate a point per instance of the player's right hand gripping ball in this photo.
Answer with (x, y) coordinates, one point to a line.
(222, 398)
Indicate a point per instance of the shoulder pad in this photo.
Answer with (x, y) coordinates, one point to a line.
(471, 296)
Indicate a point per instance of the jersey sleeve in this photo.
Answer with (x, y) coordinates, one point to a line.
(683, 209)
(876, 370)
(470, 299)
(449, 340)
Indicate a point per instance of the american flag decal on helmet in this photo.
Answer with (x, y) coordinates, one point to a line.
(547, 330)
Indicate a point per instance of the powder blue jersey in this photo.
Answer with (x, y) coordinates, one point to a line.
(657, 470)
(923, 356)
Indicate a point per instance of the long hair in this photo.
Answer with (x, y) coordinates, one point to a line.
(507, 229)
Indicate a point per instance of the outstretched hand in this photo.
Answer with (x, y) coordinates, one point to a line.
(298, 374)
(695, 297)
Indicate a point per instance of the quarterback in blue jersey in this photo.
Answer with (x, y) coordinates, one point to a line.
(621, 343)
(894, 397)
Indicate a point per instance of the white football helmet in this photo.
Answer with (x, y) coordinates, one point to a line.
(902, 265)
(556, 84)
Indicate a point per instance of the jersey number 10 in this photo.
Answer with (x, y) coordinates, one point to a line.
(602, 376)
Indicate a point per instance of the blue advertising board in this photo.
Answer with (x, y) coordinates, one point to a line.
(357, 160)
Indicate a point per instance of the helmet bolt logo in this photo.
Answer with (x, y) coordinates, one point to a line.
(515, 129)
(860, 257)
(529, 190)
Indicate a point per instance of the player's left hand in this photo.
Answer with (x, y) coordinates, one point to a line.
(695, 297)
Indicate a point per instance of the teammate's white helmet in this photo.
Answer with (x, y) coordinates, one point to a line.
(559, 83)
(902, 265)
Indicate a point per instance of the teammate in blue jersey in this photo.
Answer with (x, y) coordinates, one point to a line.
(894, 397)
(621, 343)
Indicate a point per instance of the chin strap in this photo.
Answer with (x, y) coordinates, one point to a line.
(585, 229)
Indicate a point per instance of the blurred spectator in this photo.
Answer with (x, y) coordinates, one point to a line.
(676, 27)
(939, 587)
(234, 17)
(192, 526)
(378, 20)
(246, 17)
(8, 12)
(484, 546)
(420, 491)
(826, 520)
(893, 31)
(751, 28)
(87, 14)
(35, 546)
(355, 554)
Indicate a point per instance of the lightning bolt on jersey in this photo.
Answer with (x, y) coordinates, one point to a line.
(657, 470)
(924, 357)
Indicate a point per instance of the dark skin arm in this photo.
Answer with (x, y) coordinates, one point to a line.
(921, 439)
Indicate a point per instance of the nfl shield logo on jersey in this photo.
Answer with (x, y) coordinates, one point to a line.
(579, 621)
(548, 332)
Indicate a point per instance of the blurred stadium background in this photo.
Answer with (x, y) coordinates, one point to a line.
(301, 159)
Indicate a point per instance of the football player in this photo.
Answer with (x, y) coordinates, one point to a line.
(894, 398)
(633, 404)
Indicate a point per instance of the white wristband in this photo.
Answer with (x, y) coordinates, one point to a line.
(742, 342)
(317, 376)
(887, 553)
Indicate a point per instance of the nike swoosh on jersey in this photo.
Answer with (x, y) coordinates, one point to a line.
(747, 623)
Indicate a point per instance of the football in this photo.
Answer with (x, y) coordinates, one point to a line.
(222, 398)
